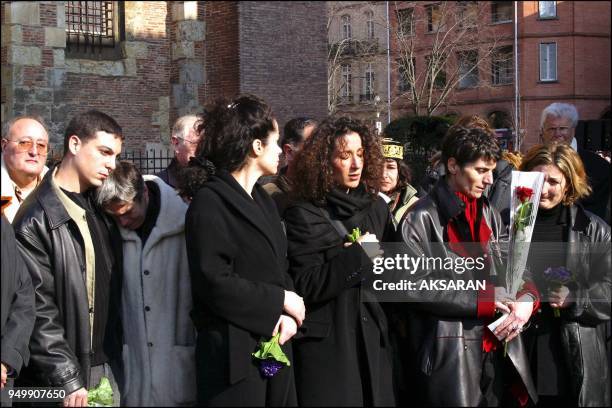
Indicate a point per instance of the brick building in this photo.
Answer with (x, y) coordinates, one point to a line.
(357, 59)
(563, 56)
(147, 62)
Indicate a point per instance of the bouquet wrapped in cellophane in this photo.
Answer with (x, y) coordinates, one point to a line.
(526, 188)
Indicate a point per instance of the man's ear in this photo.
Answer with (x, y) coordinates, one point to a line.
(453, 167)
(74, 144)
(288, 150)
(174, 140)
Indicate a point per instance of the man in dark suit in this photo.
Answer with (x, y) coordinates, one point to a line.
(18, 312)
(558, 125)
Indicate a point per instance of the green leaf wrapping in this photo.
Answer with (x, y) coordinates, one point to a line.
(354, 235)
(271, 350)
(101, 395)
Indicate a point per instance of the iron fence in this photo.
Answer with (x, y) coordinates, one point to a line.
(149, 161)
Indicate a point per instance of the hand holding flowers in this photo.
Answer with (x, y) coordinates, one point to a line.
(558, 292)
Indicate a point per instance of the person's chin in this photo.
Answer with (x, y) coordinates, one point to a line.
(476, 194)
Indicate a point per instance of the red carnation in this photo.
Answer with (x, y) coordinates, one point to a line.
(524, 193)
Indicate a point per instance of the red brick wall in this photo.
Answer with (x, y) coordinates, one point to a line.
(222, 62)
(582, 34)
(283, 56)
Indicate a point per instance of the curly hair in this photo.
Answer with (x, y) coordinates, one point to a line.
(313, 174)
(565, 159)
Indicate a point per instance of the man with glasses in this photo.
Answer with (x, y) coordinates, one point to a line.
(184, 139)
(25, 144)
(558, 125)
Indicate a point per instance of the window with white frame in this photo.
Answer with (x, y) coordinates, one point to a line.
(368, 83)
(369, 24)
(502, 66)
(345, 91)
(405, 21)
(406, 73)
(347, 32)
(547, 9)
(468, 13)
(468, 69)
(548, 62)
(435, 19)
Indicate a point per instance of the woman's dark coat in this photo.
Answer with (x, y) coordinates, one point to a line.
(583, 341)
(237, 259)
(345, 346)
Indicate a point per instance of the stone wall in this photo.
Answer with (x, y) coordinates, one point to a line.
(175, 58)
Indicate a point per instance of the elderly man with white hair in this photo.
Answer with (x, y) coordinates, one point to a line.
(184, 140)
(25, 143)
(558, 125)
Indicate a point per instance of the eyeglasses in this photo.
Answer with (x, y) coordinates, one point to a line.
(26, 145)
(560, 129)
(188, 141)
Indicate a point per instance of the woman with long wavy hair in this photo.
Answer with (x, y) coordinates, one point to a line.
(343, 357)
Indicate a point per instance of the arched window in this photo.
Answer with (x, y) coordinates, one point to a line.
(346, 81)
(500, 120)
(347, 32)
(368, 83)
(369, 24)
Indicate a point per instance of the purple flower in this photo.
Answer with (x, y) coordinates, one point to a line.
(268, 368)
(557, 275)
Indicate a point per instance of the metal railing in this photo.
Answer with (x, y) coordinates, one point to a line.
(148, 162)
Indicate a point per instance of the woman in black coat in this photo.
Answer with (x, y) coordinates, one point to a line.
(343, 358)
(237, 256)
(567, 340)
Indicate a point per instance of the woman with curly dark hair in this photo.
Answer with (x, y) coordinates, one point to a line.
(343, 359)
(236, 250)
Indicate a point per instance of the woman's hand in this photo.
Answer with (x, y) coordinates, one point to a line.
(520, 312)
(287, 327)
(559, 297)
(372, 249)
(294, 306)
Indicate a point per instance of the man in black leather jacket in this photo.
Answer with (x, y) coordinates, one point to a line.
(73, 255)
(453, 359)
(17, 307)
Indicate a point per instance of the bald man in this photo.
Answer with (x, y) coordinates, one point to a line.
(25, 144)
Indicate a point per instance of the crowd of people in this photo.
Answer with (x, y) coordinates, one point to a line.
(168, 284)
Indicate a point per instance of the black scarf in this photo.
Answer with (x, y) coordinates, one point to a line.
(313, 232)
(342, 205)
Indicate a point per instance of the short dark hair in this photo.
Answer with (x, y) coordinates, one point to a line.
(86, 124)
(293, 132)
(467, 145)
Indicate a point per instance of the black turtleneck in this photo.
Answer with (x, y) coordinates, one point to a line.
(550, 225)
(543, 338)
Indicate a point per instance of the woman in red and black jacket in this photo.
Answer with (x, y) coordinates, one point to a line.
(452, 357)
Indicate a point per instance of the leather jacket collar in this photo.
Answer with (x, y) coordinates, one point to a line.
(50, 202)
